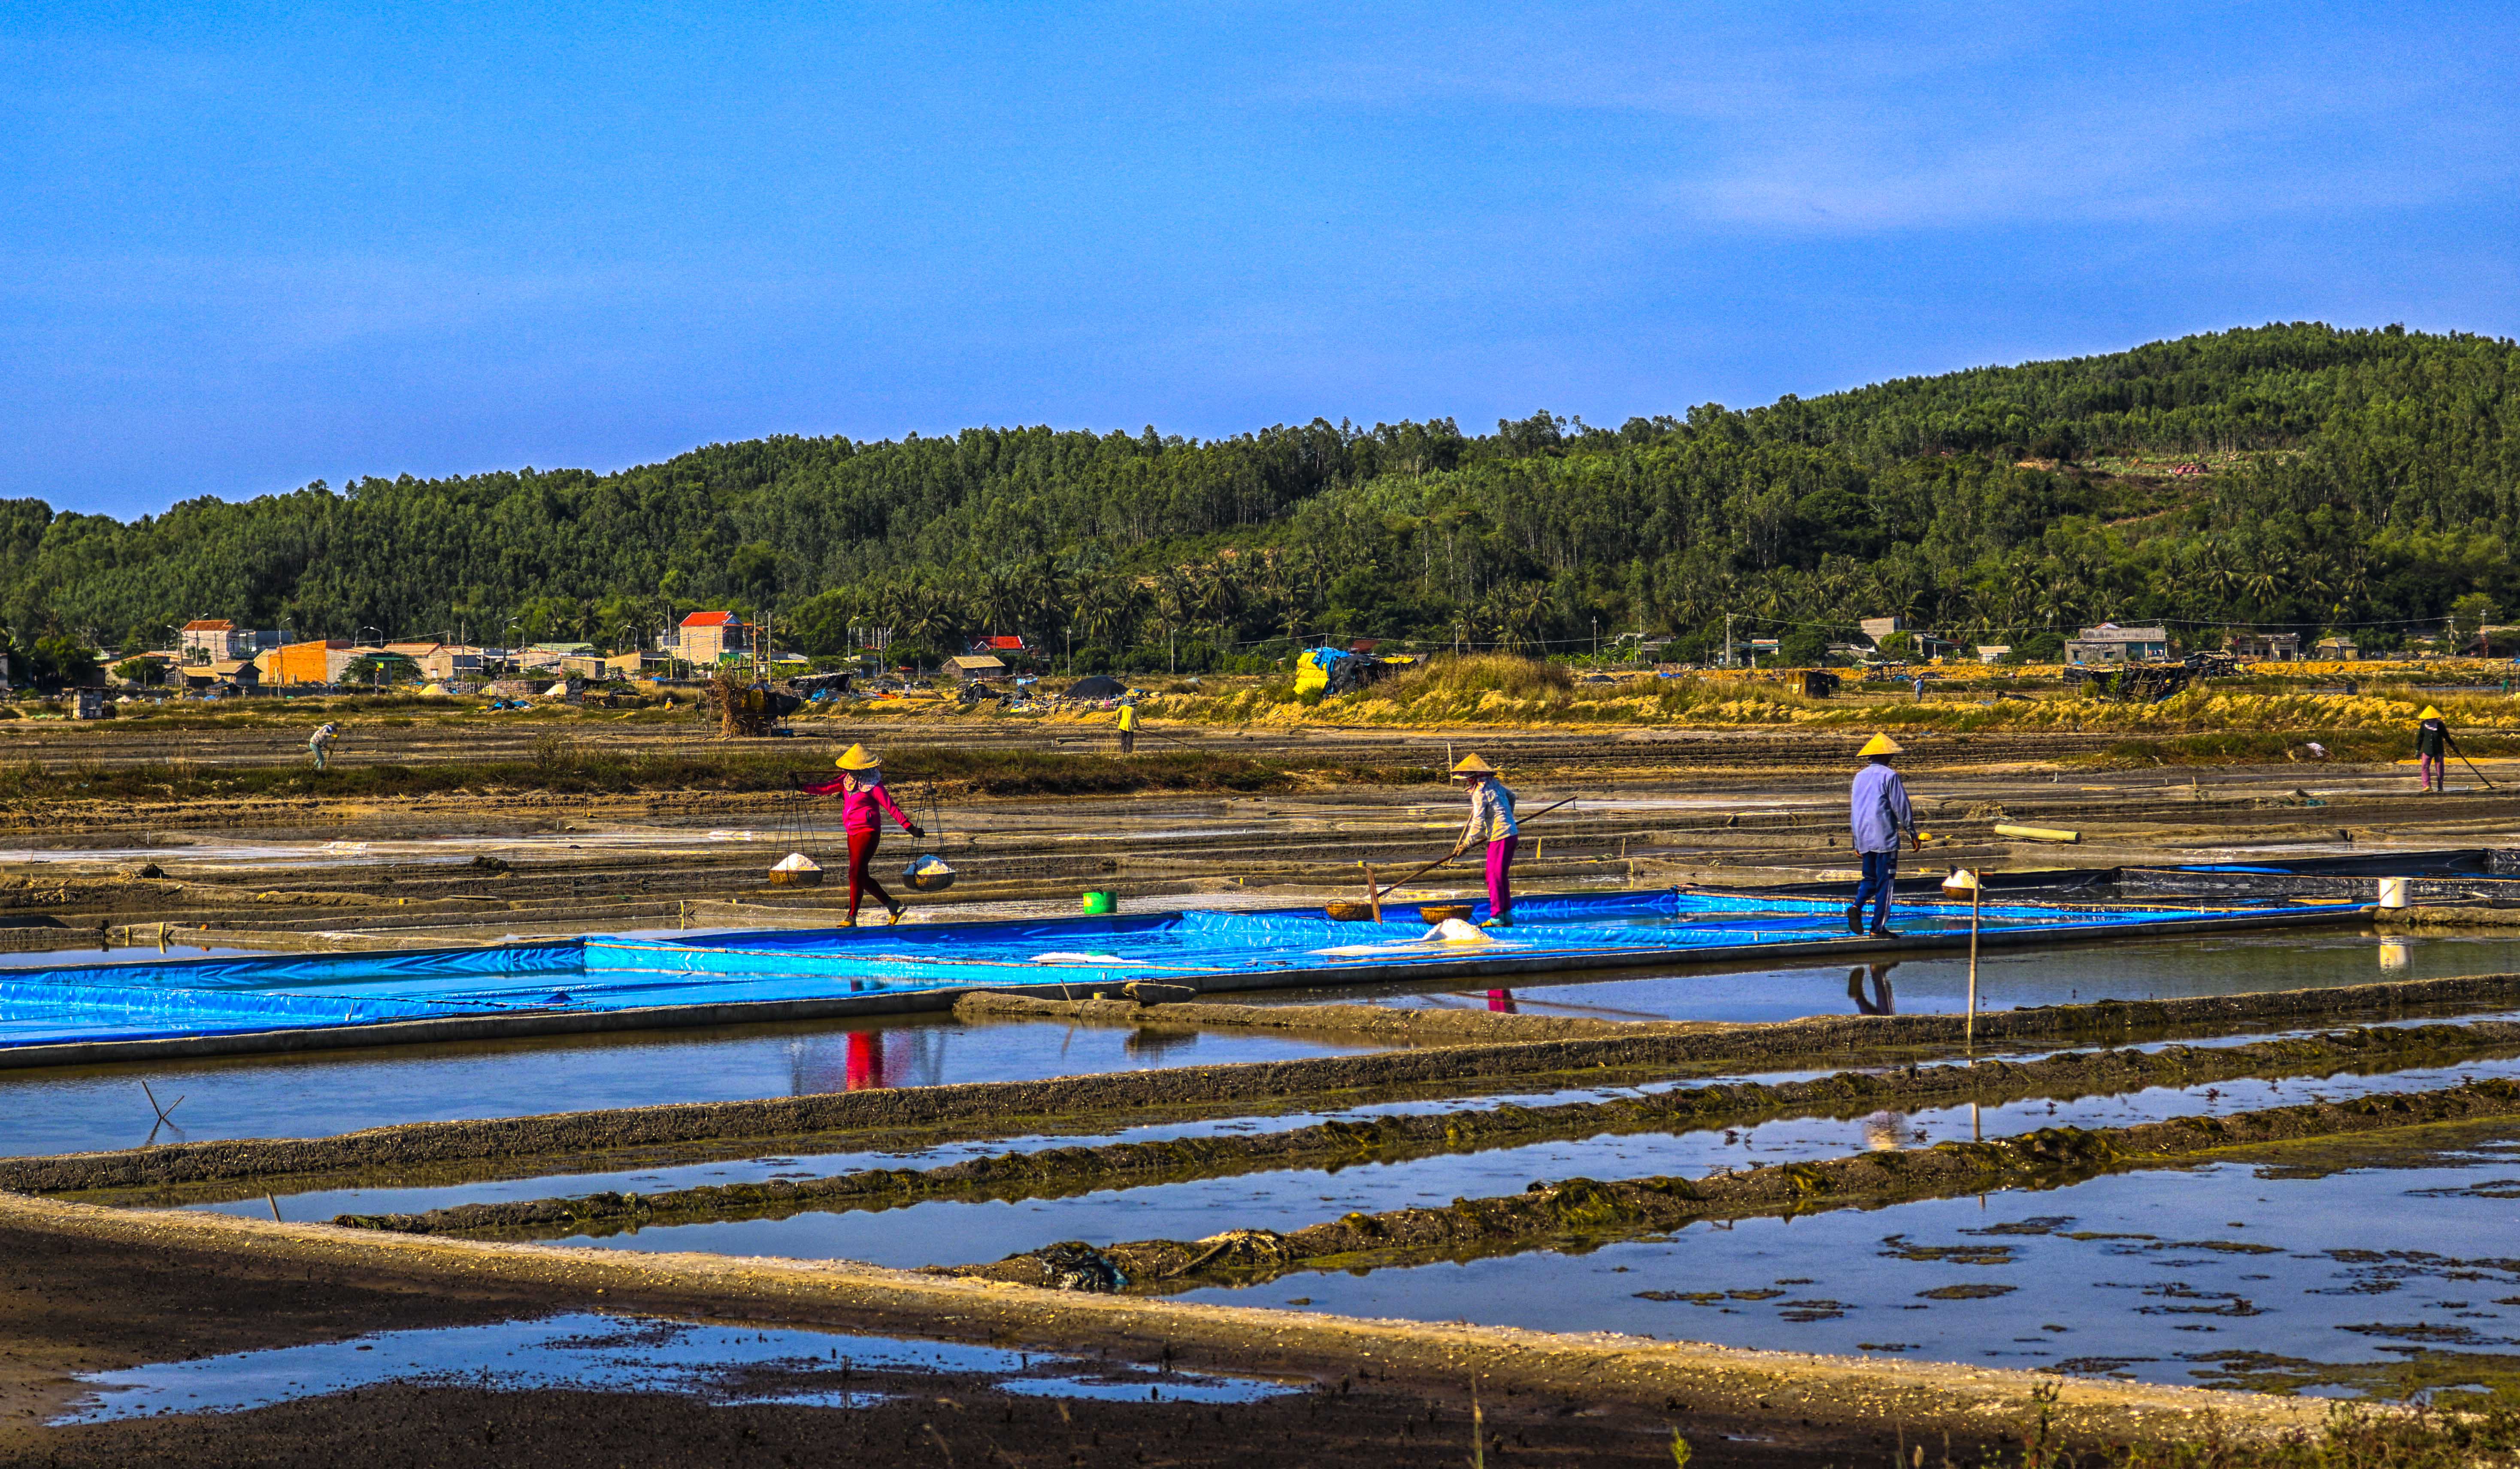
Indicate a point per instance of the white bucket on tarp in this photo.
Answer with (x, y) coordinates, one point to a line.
(2393, 892)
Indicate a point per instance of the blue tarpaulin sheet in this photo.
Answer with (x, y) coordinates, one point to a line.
(229, 995)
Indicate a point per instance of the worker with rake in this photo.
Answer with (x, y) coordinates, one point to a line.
(2433, 745)
(1492, 822)
(1880, 813)
(864, 803)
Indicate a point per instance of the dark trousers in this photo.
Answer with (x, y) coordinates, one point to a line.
(1880, 870)
(862, 846)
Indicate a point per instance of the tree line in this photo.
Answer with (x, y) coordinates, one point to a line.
(2325, 479)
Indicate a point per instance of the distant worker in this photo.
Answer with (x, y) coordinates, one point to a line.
(320, 742)
(1127, 728)
(1491, 822)
(864, 803)
(1880, 813)
(2433, 744)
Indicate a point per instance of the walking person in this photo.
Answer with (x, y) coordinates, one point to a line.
(1127, 728)
(319, 743)
(2433, 744)
(1879, 813)
(1491, 822)
(864, 803)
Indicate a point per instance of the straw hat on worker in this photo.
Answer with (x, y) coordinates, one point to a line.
(1881, 747)
(858, 757)
(1470, 767)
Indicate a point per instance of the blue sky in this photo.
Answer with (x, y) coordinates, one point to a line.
(243, 246)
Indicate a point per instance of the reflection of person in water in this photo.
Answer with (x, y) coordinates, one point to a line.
(1152, 1044)
(1501, 1002)
(1880, 1001)
(1884, 1132)
(866, 1061)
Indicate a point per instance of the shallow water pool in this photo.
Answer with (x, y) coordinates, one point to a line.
(954, 1232)
(623, 1354)
(316, 1095)
(2129, 968)
(2395, 1274)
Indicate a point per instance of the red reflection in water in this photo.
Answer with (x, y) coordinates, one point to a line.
(866, 1061)
(1502, 1001)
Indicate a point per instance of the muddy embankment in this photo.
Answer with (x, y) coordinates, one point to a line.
(2103, 1019)
(1063, 1172)
(1592, 1210)
(645, 1136)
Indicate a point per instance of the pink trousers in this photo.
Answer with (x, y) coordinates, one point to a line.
(2431, 768)
(1500, 870)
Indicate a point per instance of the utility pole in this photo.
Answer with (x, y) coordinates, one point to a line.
(1727, 640)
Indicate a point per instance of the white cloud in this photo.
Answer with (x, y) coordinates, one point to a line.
(1939, 119)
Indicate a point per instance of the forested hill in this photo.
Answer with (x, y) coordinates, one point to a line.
(2350, 478)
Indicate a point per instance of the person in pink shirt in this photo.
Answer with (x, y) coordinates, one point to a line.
(864, 803)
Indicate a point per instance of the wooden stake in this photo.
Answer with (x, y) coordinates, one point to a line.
(1372, 894)
(1975, 894)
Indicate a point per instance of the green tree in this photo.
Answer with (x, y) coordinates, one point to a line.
(1803, 647)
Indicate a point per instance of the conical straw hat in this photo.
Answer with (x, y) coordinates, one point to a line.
(2429, 713)
(1881, 745)
(1472, 765)
(857, 757)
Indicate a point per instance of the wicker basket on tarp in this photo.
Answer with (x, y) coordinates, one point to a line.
(1437, 912)
(1349, 911)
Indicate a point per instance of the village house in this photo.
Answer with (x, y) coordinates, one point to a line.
(440, 661)
(707, 636)
(2111, 643)
(2267, 648)
(316, 661)
(213, 639)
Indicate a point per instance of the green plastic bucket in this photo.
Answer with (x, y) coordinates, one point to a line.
(1099, 903)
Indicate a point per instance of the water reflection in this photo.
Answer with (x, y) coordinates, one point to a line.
(866, 1061)
(1155, 1045)
(1501, 1002)
(1879, 1002)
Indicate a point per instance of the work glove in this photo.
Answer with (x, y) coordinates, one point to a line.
(917, 832)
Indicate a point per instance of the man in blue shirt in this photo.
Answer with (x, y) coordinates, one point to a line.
(1880, 814)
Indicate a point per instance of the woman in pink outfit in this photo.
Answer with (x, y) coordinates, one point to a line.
(1491, 822)
(864, 803)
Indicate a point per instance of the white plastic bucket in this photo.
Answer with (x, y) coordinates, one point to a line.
(2393, 892)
